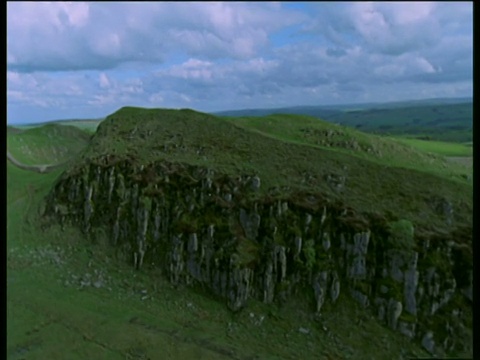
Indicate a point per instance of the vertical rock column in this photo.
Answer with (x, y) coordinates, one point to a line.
(356, 265)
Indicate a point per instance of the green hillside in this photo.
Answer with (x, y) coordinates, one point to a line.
(71, 296)
(46, 144)
(451, 122)
(443, 148)
(376, 172)
(396, 152)
(439, 120)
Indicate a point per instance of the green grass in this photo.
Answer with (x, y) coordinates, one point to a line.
(378, 149)
(438, 147)
(48, 143)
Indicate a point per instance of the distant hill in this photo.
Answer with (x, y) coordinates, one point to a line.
(84, 124)
(344, 107)
(317, 111)
(438, 119)
(47, 144)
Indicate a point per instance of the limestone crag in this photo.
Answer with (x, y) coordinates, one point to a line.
(216, 230)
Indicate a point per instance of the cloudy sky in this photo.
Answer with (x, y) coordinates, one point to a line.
(86, 60)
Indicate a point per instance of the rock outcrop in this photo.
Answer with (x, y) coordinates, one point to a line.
(206, 228)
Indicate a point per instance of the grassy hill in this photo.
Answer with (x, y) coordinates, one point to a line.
(70, 298)
(438, 119)
(89, 125)
(51, 143)
(388, 151)
(448, 149)
(376, 172)
(451, 122)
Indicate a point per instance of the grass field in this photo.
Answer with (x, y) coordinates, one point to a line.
(439, 147)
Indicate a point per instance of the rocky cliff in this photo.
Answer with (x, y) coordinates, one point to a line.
(224, 232)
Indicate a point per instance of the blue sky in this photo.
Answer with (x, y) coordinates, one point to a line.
(86, 60)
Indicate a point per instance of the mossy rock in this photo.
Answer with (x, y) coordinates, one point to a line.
(401, 234)
(186, 224)
(294, 230)
(146, 202)
(248, 251)
(309, 254)
(282, 286)
(279, 239)
(408, 318)
(437, 260)
(210, 217)
(395, 289)
(363, 287)
(315, 228)
(322, 256)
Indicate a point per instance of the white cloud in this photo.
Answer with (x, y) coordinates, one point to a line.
(386, 27)
(185, 98)
(424, 66)
(99, 100)
(74, 90)
(405, 13)
(104, 81)
(13, 77)
(100, 56)
(156, 98)
(77, 12)
(103, 35)
(106, 44)
(14, 95)
(389, 71)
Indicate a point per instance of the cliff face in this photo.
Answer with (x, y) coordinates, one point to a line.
(206, 228)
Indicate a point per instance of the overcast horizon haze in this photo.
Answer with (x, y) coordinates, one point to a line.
(86, 60)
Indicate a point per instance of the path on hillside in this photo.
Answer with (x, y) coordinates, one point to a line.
(42, 169)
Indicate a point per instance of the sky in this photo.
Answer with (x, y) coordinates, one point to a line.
(70, 60)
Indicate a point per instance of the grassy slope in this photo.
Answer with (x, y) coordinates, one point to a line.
(438, 147)
(383, 150)
(49, 315)
(244, 146)
(49, 143)
(444, 122)
(416, 116)
(88, 125)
